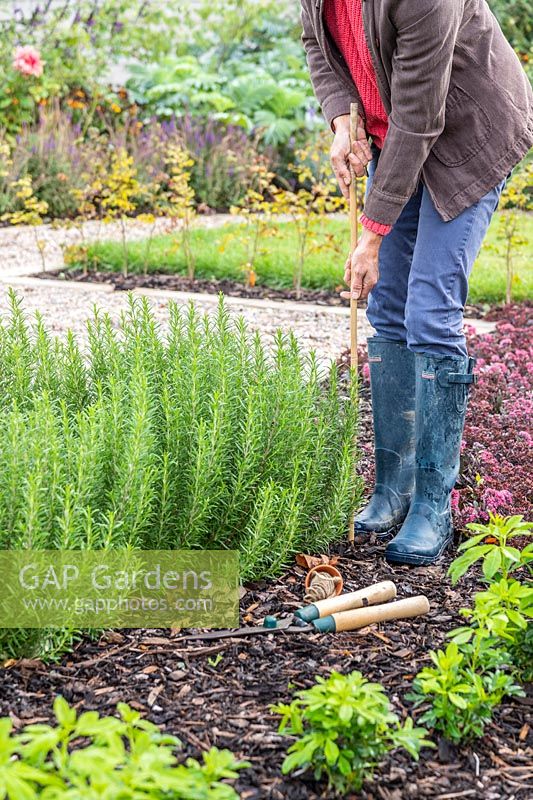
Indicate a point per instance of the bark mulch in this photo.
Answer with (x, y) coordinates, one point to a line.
(321, 297)
(181, 283)
(217, 693)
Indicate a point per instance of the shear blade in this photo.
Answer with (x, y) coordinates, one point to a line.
(284, 626)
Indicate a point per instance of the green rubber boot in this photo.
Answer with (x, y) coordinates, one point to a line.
(442, 388)
(392, 378)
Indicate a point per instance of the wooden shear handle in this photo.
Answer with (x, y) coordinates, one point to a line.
(361, 617)
(371, 595)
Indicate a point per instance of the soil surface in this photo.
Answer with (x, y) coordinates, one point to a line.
(181, 283)
(218, 693)
(232, 288)
(210, 700)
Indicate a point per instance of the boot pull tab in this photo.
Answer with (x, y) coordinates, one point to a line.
(460, 381)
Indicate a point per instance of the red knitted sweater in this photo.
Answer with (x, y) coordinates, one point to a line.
(344, 20)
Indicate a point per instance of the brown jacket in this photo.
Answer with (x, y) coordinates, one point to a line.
(459, 103)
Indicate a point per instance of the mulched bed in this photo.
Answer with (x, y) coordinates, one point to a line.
(181, 283)
(181, 687)
(206, 701)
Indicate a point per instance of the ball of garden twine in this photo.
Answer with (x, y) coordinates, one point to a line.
(322, 586)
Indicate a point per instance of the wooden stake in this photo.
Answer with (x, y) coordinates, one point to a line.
(354, 239)
(354, 231)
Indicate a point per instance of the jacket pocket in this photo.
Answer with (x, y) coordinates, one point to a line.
(467, 128)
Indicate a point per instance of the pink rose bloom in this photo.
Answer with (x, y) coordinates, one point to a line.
(27, 60)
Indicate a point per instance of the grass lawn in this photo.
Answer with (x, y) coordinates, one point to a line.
(217, 258)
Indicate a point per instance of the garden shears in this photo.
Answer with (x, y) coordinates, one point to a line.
(346, 612)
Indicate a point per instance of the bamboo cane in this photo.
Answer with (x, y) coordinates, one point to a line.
(354, 239)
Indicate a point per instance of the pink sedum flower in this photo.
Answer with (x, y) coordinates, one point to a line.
(497, 499)
(455, 499)
(27, 60)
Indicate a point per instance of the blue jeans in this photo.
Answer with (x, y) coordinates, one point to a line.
(424, 267)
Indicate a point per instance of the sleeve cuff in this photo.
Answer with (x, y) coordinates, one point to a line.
(338, 105)
(375, 227)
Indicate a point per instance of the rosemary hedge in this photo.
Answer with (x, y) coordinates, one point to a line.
(199, 437)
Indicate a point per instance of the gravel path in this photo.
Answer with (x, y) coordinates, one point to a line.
(20, 254)
(67, 305)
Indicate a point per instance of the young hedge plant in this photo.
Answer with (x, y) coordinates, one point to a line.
(197, 438)
(344, 727)
(485, 658)
(87, 757)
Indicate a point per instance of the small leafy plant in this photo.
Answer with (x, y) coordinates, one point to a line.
(124, 756)
(498, 622)
(345, 726)
(514, 202)
(501, 611)
(31, 211)
(119, 191)
(179, 199)
(490, 544)
(461, 699)
(257, 207)
(317, 196)
(471, 677)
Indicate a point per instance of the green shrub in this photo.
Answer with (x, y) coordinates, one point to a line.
(490, 544)
(480, 665)
(87, 757)
(499, 622)
(461, 700)
(515, 19)
(224, 159)
(78, 44)
(521, 652)
(345, 727)
(197, 439)
(249, 71)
